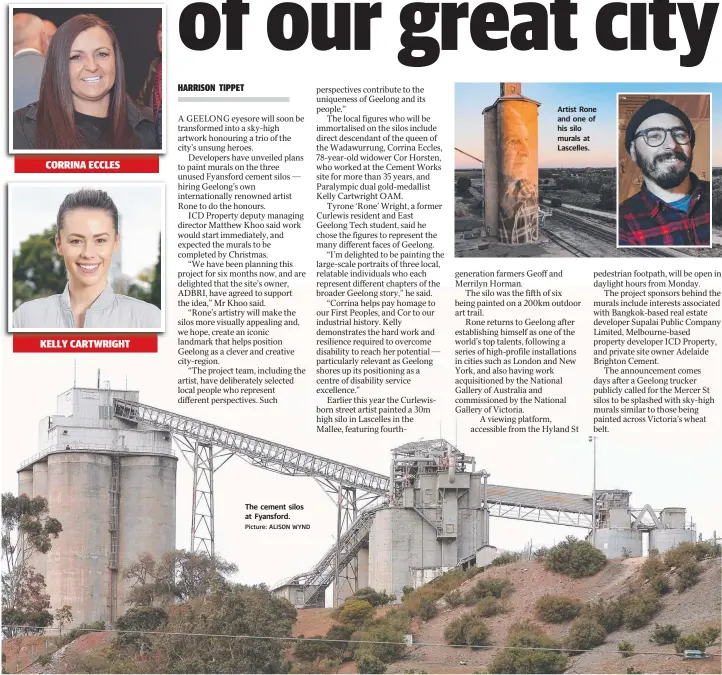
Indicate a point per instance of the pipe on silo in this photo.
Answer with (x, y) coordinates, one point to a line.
(491, 172)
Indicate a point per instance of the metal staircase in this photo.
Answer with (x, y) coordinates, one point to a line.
(317, 580)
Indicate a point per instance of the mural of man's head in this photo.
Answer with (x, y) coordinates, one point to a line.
(660, 139)
(516, 145)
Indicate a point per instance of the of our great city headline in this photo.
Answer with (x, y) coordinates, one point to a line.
(347, 26)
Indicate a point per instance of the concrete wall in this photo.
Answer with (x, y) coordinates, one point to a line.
(400, 541)
(611, 542)
(77, 564)
(674, 518)
(663, 540)
(25, 482)
(147, 512)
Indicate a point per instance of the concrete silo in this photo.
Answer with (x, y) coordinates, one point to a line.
(111, 484)
(673, 530)
(511, 162)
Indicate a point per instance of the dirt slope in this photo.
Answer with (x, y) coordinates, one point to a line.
(693, 609)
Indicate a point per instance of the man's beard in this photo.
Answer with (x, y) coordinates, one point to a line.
(667, 177)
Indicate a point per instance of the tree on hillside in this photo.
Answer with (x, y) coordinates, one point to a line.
(27, 530)
(228, 610)
(177, 577)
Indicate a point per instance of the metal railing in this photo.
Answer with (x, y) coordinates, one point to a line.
(266, 454)
(103, 448)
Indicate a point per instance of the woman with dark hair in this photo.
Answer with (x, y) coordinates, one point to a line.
(83, 102)
(86, 238)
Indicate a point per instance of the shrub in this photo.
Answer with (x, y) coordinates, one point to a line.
(626, 553)
(626, 648)
(454, 599)
(557, 608)
(310, 649)
(374, 598)
(575, 558)
(342, 634)
(434, 590)
(488, 606)
(691, 552)
(527, 634)
(473, 571)
(710, 635)
(141, 619)
(652, 568)
(390, 644)
(467, 629)
(476, 633)
(398, 618)
(666, 634)
(690, 642)
(541, 553)
(454, 632)
(585, 633)
(356, 613)
(505, 559)
(367, 663)
(639, 608)
(608, 614)
(492, 587)
(428, 609)
(660, 585)
(688, 576)
(406, 591)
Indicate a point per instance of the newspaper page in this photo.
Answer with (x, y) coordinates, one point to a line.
(362, 337)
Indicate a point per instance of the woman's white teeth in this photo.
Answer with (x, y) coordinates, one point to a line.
(91, 79)
(88, 267)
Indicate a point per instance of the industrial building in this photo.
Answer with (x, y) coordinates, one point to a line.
(108, 469)
(112, 485)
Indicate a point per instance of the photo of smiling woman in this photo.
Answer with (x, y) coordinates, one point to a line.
(86, 239)
(83, 103)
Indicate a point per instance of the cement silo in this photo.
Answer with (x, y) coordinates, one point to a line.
(25, 482)
(111, 483)
(673, 530)
(511, 163)
(77, 564)
(147, 500)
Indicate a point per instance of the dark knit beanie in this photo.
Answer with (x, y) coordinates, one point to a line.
(653, 107)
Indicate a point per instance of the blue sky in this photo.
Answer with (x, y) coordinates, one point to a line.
(472, 98)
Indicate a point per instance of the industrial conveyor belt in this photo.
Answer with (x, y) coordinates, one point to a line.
(289, 461)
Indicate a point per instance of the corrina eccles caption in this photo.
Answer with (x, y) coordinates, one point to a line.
(489, 26)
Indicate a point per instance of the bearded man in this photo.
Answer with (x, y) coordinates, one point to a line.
(673, 206)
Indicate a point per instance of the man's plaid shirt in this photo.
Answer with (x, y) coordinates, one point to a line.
(645, 220)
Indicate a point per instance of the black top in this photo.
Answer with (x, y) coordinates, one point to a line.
(93, 130)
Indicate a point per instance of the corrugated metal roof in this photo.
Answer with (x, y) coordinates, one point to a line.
(545, 499)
